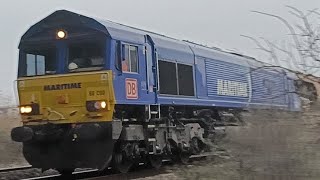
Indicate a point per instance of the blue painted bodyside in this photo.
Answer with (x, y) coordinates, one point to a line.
(269, 88)
(209, 66)
(200, 78)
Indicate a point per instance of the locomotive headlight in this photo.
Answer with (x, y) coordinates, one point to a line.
(25, 109)
(30, 109)
(103, 104)
(100, 105)
(96, 105)
(61, 34)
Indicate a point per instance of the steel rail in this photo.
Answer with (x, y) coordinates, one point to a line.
(2, 170)
(96, 174)
(55, 176)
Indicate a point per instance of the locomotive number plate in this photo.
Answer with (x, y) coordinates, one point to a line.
(96, 93)
(131, 88)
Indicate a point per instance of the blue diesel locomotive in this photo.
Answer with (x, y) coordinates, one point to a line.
(96, 94)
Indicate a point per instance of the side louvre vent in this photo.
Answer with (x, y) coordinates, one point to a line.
(226, 72)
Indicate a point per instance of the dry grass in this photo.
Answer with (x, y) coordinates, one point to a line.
(10, 152)
(272, 145)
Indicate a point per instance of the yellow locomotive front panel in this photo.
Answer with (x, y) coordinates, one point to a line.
(71, 98)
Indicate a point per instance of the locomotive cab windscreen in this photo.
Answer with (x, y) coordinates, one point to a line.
(61, 56)
(36, 61)
(85, 56)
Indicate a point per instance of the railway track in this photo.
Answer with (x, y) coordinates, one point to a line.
(4, 170)
(94, 174)
(80, 174)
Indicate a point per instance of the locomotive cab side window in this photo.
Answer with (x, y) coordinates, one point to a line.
(37, 62)
(130, 61)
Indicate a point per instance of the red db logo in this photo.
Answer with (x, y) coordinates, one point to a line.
(131, 88)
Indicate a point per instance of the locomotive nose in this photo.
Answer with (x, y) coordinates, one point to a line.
(84, 98)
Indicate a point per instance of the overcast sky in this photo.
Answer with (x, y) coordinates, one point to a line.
(211, 22)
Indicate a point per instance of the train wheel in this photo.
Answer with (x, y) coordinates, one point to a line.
(155, 161)
(195, 145)
(122, 164)
(184, 157)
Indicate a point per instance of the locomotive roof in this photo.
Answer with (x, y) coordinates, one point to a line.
(126, 33)
(120, 31)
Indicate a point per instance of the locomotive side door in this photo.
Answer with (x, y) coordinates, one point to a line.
(132, 84)
(151, 68)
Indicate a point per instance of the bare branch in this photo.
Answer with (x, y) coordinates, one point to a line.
(316, 12)
(301, 14)
(291, 29)
(295, 14)
(260, 46)
(288, 53)
(272, 51)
